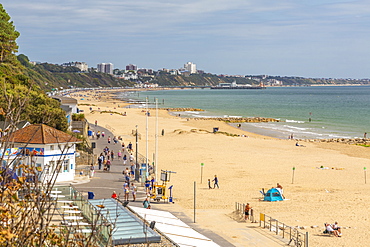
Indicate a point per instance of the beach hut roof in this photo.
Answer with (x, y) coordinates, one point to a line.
(41, 134)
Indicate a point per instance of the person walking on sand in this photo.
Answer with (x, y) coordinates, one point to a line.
(246, 211)
(209, 184)
(215, 180)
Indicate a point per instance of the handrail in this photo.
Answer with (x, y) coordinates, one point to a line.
(295, 237)
(102, 225)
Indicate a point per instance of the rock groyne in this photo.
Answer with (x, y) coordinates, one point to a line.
(240, 119)
(356, 141)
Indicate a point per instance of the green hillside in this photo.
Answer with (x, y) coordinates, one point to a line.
(49, 76)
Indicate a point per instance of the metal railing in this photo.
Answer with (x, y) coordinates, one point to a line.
(291, 234)
(101, 225)
(240, 208)
(295, 237)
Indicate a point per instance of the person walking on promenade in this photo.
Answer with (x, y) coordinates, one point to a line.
(132, 172)
(133, 189)
(92, 170)
(96, 122)
(108, 139)
(131, 158)
(147, 185)
(124, 159)
(129, 146)
(126, 191)
(112, 155)
(102, 134)
(246, 211)
(107, 165)
(100, 160)
(215, 180)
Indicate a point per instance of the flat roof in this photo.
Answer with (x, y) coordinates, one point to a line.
(176, 230)
(129, 229)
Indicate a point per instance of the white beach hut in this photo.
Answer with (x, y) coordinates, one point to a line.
(45, 148)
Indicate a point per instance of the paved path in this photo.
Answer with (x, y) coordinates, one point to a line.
(104, 183)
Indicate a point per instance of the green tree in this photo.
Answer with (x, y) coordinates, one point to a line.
(8, 35)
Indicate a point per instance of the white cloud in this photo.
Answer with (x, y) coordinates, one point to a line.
(194, 27)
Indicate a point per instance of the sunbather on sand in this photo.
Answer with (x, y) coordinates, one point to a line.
(330, 230)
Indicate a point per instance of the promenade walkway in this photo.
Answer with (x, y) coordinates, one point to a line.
(104, 183)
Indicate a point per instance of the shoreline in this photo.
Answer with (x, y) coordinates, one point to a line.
(244, 166)
(111, 94)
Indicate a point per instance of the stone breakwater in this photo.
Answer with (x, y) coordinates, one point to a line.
(356, 141)
(240, 120)
(180, 109)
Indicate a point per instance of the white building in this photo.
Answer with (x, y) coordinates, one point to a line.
(191, 67)
(45, 149)
(69, 105)
(81, 65)
(105, 68)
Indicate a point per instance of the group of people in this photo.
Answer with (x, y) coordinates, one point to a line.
(105, 158)
(333, 229)
(115, 140)
(215, 183)
(127, 188)
(97, 134)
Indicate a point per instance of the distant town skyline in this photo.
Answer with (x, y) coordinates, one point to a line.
(308, 38)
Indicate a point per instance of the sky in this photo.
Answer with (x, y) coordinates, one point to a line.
(308, 38)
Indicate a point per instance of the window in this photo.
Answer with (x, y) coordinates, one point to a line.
(52, 147)
(50, 169)
(65, 166)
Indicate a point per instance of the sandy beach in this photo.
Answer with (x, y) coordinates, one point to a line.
(244, 165)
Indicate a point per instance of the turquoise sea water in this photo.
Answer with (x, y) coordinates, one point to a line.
(334, 111)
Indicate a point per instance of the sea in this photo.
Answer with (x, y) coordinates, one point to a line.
(314, 112)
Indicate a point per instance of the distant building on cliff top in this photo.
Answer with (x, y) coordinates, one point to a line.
(105, 68)
(191, 67)
(81, 65)
(131, 67)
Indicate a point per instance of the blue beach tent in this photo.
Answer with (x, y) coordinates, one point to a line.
(273, 195)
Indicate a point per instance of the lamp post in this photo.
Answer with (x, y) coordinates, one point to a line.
(146, 138)
(137, 175)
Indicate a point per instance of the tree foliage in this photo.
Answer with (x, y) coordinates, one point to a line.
(8, 35)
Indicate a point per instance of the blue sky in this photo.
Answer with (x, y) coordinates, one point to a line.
(309, 38)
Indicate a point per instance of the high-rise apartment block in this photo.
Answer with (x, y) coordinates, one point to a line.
(191, 67)
(105, 68)
(131, 67)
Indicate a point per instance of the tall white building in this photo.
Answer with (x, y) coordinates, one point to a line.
(105, 68)
(191, 67)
